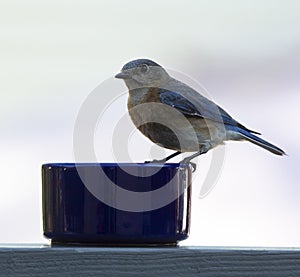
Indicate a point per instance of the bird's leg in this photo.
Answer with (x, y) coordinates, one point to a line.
(165, 159)
(187, 160)
(172, 155)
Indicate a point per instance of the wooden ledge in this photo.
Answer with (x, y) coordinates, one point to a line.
(37, 260)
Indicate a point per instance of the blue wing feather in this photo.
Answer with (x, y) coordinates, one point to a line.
(186, 107)
(179, 102)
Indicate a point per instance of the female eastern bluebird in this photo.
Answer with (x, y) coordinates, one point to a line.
(205, 124)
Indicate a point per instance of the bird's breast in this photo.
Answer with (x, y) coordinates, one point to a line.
(165, 127)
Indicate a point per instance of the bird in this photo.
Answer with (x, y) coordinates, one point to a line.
(175, 116)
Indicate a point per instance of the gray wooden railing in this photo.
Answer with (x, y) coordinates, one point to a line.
(42, 260)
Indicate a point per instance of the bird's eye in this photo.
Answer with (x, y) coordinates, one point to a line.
(144, 68)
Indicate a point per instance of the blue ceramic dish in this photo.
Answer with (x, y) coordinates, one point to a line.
(73, 212)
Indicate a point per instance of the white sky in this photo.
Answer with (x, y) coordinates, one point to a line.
(246, 54)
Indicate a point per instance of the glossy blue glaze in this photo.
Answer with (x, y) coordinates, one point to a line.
(71, 214)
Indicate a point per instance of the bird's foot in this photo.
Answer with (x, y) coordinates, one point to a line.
(156, 161)
(188, 161)
(162, 161)
(184, 161)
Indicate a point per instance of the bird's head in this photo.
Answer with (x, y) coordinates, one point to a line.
(143, 73)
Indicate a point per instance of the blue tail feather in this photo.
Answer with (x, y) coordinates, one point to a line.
(256, 140)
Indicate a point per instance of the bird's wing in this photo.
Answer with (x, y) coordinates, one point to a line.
(185, 106)
(203, 107)
(177, 101)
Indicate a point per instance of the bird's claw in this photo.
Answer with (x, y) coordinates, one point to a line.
(155, 162)
(193, 165)
(188, 162)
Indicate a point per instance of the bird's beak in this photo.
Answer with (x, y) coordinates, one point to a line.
(123, 75)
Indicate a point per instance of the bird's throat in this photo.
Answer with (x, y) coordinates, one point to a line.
(136, 96)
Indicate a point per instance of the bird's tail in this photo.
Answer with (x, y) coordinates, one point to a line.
(260, 142)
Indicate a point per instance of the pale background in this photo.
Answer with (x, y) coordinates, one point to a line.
(246, 54)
